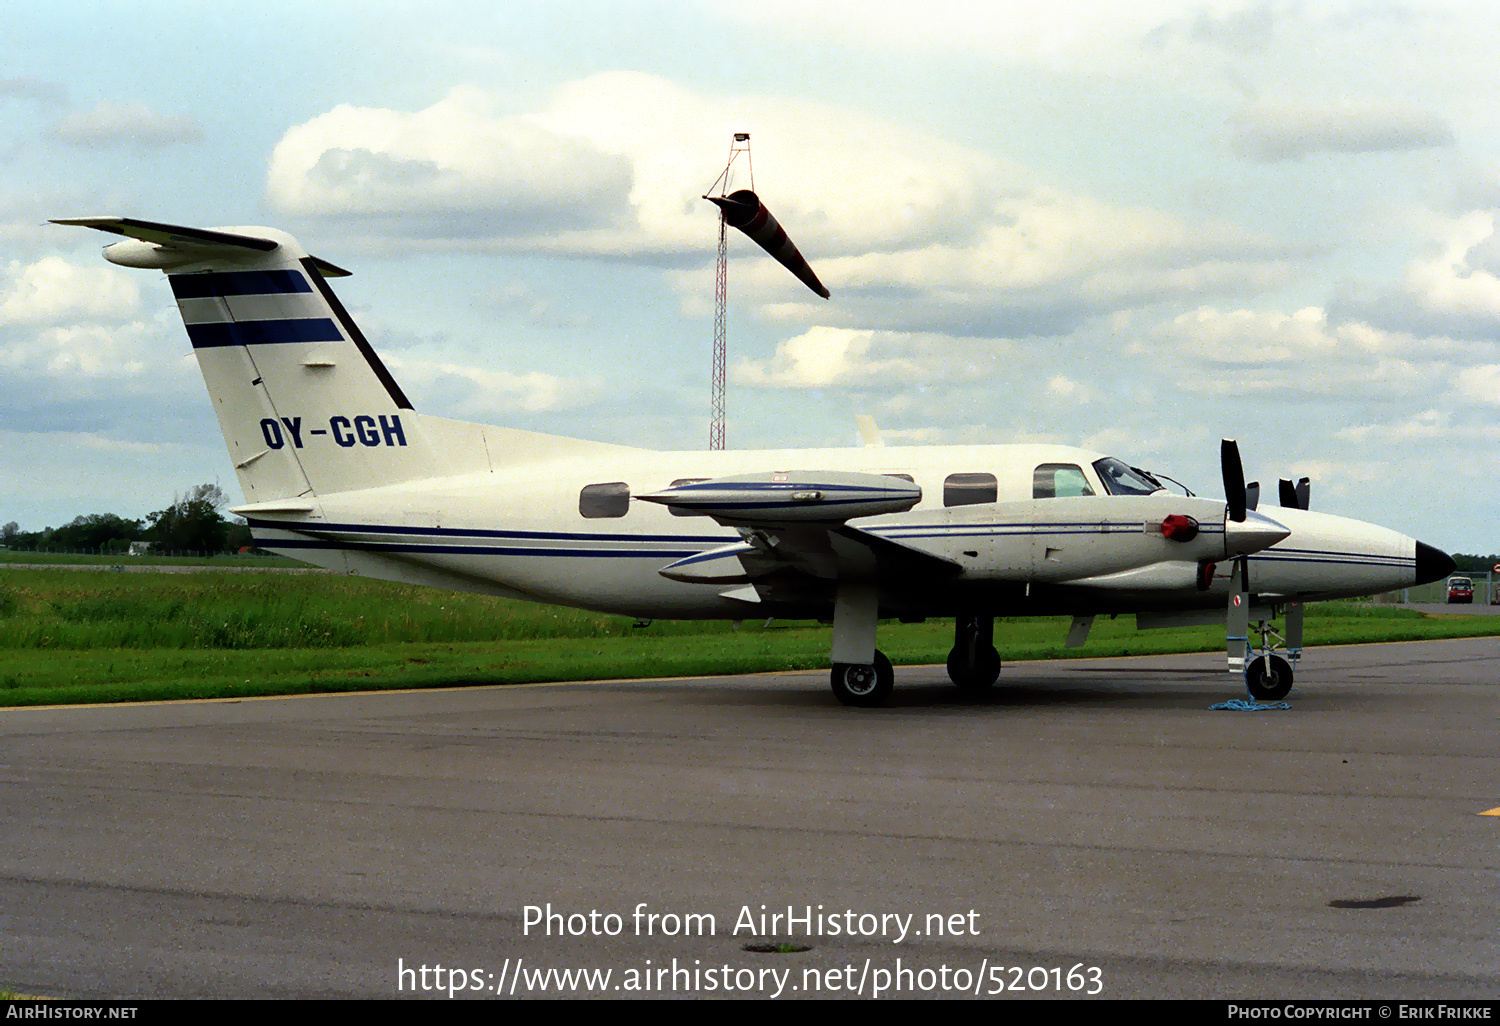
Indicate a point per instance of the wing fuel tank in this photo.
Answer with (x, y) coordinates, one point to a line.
(793, 496)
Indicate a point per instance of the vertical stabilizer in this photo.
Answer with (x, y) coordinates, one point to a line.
(305, 405)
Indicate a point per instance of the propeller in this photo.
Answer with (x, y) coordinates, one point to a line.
(1234, 479)
(1252, 495)
(1295, 496)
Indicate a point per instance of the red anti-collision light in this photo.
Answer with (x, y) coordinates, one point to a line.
(1179, 528)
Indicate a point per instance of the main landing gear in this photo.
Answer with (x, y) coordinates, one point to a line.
(861, 674)
(973, 662)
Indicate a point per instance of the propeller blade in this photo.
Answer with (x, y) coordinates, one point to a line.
(1252, 495)
(1234, 479)
(1295, 496)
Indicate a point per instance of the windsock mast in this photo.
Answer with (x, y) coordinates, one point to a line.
(744, 210)
(740, 143)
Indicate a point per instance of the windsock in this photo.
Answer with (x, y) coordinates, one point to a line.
(745, 211)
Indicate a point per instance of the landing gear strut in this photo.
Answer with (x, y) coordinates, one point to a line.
(861, 673)
(973, 663)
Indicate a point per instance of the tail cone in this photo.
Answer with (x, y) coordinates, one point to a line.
(745, 211)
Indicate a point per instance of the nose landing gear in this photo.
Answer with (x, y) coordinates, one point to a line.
(1268, 666)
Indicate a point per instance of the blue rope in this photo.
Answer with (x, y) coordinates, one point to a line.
(1241, 705)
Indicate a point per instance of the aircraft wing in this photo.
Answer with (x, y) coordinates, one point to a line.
(778, 556)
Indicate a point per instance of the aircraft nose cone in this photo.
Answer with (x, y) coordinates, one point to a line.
(1432, 564)
(1252, 534)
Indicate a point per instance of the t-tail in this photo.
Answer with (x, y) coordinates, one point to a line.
(306, 406)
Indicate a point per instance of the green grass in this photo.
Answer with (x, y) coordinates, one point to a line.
(119, 559)
(98, 636)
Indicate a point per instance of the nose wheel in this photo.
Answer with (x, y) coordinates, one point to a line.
(1268, 678)
(863, 683)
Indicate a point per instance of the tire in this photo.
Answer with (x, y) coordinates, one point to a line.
(1268, 678)
(983, 674)
(863, 684)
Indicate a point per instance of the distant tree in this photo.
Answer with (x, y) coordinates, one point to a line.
(192, 521)
(10, 530)
(97, 531)
(209, 493)
(1475, 563)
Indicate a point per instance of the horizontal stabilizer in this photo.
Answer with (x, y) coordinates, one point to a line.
(169, 234)
(172, 244)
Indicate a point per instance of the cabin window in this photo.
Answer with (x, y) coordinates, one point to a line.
(968, 489)
(678, 511)
(604, 500)
(1059, 481)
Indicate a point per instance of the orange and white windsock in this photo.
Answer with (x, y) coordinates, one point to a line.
(745, 211)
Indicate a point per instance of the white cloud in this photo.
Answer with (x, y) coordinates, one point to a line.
(478, 393)
(824, 357)
(1453, 290)
(1447, 284)
(1299, 356)
(616, 164)
(454, 169)
(1038, 262)
(40, 91)
(1481, 384)
(912, 232)
(125, 124)
(1010, 30)
(52, 290)
(1291, 131)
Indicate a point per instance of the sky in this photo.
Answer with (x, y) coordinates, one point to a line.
(1138, 228)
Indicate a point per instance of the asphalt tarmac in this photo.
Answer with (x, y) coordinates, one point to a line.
(1091, 827)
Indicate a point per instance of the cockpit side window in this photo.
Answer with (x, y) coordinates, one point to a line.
(1122, 479)
(1059, 480)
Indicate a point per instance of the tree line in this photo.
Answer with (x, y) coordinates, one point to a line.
(191, 523)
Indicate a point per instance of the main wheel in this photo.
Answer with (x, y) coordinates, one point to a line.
(863, 683)
(1268, 678)
(982, 673)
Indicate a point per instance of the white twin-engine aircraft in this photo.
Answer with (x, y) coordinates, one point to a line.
(338, 469)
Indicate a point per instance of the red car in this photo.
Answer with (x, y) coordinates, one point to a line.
(1460, 589)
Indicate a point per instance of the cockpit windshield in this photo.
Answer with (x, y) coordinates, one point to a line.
(1122, 479)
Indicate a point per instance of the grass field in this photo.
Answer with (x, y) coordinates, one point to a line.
(103, 636)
